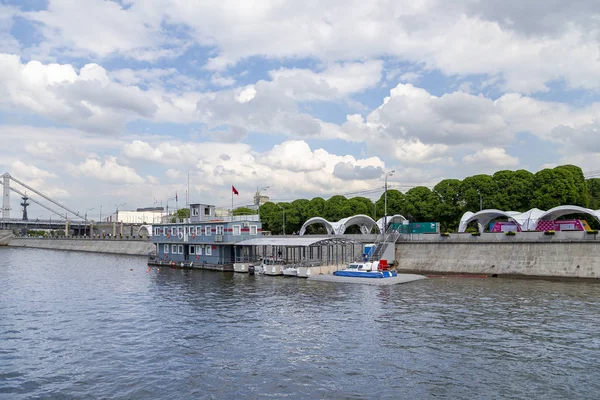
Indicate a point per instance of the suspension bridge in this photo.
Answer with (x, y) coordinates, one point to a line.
(62, 216)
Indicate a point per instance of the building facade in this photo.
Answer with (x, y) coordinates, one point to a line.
(204, 238)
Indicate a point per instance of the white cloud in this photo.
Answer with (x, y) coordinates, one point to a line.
(293, 155)
(24, 171)
(87, 100)
(492, 157)
(108, 170)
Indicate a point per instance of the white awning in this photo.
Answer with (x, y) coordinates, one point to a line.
(299, 241)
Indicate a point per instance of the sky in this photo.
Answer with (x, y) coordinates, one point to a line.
(104, 103)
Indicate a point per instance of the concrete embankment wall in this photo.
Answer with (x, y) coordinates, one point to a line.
(5, 237)
(127, 247)
(558, 256)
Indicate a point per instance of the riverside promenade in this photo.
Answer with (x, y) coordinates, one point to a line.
(563, 255)
(125, 246)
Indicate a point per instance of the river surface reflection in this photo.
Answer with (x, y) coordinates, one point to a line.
(77, 325)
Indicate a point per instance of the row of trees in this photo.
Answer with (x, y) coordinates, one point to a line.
(447, 202)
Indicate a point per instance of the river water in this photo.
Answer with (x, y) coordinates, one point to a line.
(77, 325)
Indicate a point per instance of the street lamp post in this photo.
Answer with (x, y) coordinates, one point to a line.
(258, 199)
(117, 210)
(283, 221)
(100, 213)
(385, 202)
(85, 217)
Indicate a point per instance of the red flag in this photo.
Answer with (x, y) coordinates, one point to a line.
(234, 190)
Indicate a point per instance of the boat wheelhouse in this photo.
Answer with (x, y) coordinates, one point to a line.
(204, 240)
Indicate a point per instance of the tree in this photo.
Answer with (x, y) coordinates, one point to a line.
(552, 188)
(396, 203)
(514, 190)
(449, 209)
(593, 186)
(478, 191)
(361, 205)
(421, 203)
(182, 213)
(336, 208)
(244, 211)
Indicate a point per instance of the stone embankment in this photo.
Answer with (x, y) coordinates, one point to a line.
(526, 254)
(5, 237)
(112, 246)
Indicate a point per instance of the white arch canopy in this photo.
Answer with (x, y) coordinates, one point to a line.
(391, 219)
(317, 220)
(528, 220)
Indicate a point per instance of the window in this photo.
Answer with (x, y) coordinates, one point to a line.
(208, 250)
(180, 249)
(206, 210)
(194, 211)
(155, 231)
(198, 250)
(207, 230)
(179, 230)
(173, 230)
(219, 229)
(198, 230)
(237, 230)
(174, 249)
(192, 249)
(166, 249)
(253, 229)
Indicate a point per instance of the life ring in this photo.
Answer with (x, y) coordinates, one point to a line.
(197, 258)
(194, 235)
(168, 236)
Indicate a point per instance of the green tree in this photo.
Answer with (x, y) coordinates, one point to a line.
(554, 187)
(421, 203)
(182, 213)
(396, 204)
(449, 209)
(478, 191)
(244, 211)
(593, 186)
(336, 208)
(514, 190)
(361, 205)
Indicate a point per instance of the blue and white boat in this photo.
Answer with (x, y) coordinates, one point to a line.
(366, 270)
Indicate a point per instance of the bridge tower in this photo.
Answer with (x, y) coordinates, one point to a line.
(6, 196)
(25, 204)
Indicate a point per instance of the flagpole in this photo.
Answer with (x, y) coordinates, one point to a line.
(232, 202)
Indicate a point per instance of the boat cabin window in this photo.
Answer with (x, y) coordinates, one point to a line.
(208, 250)
(219, 229)
(237, 229)
(192, 249)
(354, 266)
(253, 230)
(174, 249)
(198, 250)
(207, 230)
(166, 249)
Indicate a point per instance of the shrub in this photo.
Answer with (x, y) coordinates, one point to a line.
(550, 232)
(594, 232)
(475, 233)
(510, 233)
(445, 234)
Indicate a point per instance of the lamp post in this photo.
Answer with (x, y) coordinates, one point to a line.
(385, 202)
(85, 217)
(258, 199)
(100, 213)
(283, 221)
(117, 210)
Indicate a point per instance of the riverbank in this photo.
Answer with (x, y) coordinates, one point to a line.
(546, 259)
(5, 237)
(110, 246)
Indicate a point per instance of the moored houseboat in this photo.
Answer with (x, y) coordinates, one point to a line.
(204, 240)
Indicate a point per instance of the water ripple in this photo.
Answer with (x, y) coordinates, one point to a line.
(98, 326)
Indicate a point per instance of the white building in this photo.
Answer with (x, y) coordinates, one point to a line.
(142, 216)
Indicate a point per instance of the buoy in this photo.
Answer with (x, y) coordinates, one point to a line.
(131, 269)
